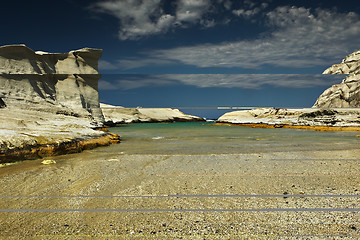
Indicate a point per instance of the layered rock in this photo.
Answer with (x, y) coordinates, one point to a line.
(19, 59)
(48, 101)
(118, 115)
(66, 82)
(347, 93)
(295, 117)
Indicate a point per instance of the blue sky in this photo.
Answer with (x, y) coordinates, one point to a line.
(207, 53)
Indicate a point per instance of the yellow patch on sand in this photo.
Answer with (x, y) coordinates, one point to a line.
(47, 162)
(113, 160)
(7, 164)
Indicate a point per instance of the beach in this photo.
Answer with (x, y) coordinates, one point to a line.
(110, 193)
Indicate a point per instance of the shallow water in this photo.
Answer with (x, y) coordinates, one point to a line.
(204, 138)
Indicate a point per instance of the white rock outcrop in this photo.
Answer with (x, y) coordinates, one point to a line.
(347, 93)
(341, 103)
(59, 83)
(49, 102)
(118, 115)
(19, 59)
(295, 117)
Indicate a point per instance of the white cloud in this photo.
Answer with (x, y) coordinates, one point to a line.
(252, 81)
(191, 10)
(106, 85)
(126, 82)
(247, 81)
(227, 4)
(137, 17)
(298, 39)
(250, 9)
(141, 18)
(131, 63)
(246, 13)
(106, 65)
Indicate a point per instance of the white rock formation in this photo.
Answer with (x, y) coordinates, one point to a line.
(295, 117)
(47, 99)
(66, 82)
(349, 65)
(116, 115)
(347, 93)
(19, 59)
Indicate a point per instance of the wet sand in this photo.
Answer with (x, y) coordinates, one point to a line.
(290, 195)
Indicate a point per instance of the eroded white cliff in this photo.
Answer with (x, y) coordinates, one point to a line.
(19, 59)
(341, 103)
(67, 82)
(347, 93)
(49, 102)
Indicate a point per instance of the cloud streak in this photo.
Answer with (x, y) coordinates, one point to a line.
(297, 37)
(245, 81)
(143, 18)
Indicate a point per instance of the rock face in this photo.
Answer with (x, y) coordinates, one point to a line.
(66, 82)
(49, 102)
(118, 115)
(347, 93)
(295, 117)
(19, 59)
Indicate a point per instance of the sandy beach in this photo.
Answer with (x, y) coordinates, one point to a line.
(290, 195)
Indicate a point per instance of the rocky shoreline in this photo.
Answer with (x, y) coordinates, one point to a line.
(119, 115)
(336, 109)
(65, 147)
(306, 118)
(49, 103)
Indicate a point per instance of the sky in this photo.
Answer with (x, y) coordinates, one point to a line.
(196, 53)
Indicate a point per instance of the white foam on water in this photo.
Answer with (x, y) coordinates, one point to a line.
(157, 138)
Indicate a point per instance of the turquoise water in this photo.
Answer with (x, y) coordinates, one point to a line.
(204, 138)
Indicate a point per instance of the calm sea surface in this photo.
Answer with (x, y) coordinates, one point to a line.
(204, 138)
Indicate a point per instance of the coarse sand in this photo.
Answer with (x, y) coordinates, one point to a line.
(282, 195)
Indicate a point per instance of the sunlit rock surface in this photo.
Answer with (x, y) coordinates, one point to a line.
(295, 117)
(117, 115)
(19, 59)
(340, 104)
(347, 93)
(47, 98)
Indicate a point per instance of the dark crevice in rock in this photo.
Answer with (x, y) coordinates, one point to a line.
(2, 104)
(323, 112)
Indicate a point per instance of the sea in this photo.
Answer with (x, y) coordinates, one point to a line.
(206, 138)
